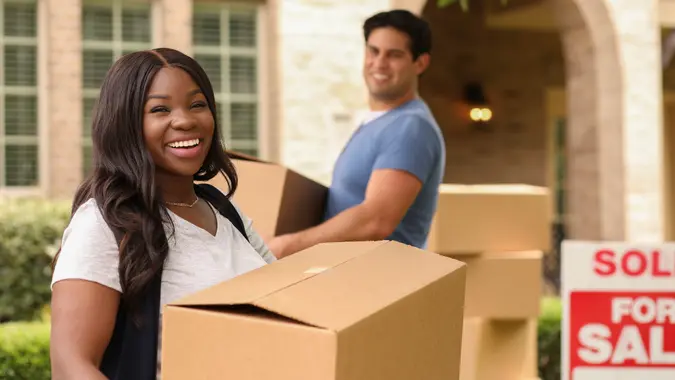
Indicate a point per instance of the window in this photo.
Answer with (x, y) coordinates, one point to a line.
(110, 29)
(19, 146)
(225, 44)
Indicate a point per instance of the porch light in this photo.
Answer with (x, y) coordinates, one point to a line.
(480, 114)
(474, 96)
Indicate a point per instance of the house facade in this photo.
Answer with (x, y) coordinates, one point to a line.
(287, 75)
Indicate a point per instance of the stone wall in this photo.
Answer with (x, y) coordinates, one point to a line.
(322, 90)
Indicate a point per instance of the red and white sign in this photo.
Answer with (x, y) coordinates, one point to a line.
(618, 311)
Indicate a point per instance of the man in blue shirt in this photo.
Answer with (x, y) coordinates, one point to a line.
(385, 182)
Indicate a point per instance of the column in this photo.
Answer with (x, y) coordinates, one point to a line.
(173, 25)
(60, 43)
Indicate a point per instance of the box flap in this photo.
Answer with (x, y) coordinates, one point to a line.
(332, 285)
(346, 294)
(250, 287)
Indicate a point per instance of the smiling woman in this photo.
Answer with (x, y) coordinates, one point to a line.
(177, 124)
(141, 232)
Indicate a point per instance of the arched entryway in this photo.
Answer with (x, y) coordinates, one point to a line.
(602, 58)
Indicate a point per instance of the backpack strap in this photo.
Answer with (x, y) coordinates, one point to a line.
(131, 353)
(222, 203)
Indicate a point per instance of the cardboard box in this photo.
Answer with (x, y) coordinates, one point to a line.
(499, 350)
(476, 218)
(503, 285)
(339, 311)
(277, 199)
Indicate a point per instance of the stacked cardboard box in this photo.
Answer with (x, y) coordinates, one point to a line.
(500, 232)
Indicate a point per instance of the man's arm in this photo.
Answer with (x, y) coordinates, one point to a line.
(406, 158)
(389, 194)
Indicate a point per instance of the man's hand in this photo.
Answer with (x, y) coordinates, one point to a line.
(283, 245)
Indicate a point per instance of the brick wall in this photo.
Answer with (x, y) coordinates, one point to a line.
(515, 68)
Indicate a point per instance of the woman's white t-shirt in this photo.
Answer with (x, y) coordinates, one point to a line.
(196, 259)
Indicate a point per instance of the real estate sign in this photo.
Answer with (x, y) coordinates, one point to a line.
(618, 311)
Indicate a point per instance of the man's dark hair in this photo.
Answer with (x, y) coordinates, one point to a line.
(406, 22)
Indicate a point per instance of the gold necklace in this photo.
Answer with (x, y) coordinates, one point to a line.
(183, 204)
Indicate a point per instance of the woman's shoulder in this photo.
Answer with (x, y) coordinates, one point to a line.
(89, 250)
(87, 212)
(88, 209)
(88, 221)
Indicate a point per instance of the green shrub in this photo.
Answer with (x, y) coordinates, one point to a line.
(549, 339)
(30, 231)
(24, 351)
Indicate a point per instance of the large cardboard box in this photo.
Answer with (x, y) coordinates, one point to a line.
(503, 285)
(277, 199)
(477, 218)
(338, 311)
(499, 350)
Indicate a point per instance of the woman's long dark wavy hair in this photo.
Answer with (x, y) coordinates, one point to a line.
(123, 177)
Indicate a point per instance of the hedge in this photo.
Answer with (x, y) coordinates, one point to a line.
(29, 234)
(24, 347)
(24, 351)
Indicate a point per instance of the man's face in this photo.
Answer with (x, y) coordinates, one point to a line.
(389, 70)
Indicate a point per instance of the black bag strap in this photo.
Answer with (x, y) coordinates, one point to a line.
(216, 197)
(131, 353)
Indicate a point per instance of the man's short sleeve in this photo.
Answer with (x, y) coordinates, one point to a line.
(410, 144)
